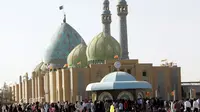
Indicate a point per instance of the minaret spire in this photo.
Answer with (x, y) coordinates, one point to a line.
(122, 10)
(106, 17)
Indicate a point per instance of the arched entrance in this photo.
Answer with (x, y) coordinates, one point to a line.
(125, 95)
(140, 95)
(105, 96)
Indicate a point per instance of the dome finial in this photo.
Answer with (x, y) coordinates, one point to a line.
(64, 20)
(62, 8)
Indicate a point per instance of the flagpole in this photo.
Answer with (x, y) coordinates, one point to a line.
(63, 11)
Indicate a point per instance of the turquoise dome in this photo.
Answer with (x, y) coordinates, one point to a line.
(118, 81)
(63, 42)
(77, 58)
(103, 47)
(118, 76)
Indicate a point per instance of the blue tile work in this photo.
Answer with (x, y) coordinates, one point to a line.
(174, 81)
(61, 45)
(161, 84)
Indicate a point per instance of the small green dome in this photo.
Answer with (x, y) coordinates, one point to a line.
(77, 57)
(103, 48)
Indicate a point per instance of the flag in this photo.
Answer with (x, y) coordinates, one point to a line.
(61, 7)
(116, 56)
(147, 94)
(173, 93)
(66, 65)
(50, 67)
(78, 63)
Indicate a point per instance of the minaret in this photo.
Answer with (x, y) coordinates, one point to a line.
(122, 10)
(106, 18)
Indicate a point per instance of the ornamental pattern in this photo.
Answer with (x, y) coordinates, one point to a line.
(123, 37)
(62, 44)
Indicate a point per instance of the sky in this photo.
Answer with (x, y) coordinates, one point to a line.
(157, 29)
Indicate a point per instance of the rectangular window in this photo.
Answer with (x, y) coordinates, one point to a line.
(144, 74)
(129, 71)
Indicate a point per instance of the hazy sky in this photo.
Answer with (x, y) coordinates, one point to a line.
(157, 29)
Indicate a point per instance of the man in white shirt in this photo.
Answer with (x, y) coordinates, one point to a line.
(121, 107)
(187, 105)
(195, 105)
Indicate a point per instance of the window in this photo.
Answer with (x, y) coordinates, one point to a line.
(129, 71)
(144, 73)
(124, 9)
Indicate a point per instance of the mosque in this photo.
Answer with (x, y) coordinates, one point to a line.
(70, 64)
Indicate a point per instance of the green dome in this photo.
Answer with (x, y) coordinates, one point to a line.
(77, 57)
(103, 48)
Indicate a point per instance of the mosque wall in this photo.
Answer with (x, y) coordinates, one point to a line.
(52, 86)
(40, 87)
(29, 96)
(13, 92)
(59, 90)
(70, 84)
(98, 71)
(80, 78)
(161, 84)
(16, 94)
(176, 81)
(162, 81)
(26, 92)
(33, 86)
(66, 84)
(36, 88)
(20, 91)
(144, 72)
(46, 87)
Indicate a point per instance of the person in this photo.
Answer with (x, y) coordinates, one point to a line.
(106, 106)
(46, 107)
(66, 106)
(177, 106)
(19, 108)
(121, 107)
(125, 106)
(92, 107)
(52, 108)
(112, 108)
(195, 105)
(37, 107)
(4, 108)
(77, 106)
(187, 105)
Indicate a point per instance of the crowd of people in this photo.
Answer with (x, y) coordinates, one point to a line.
(139, 105)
